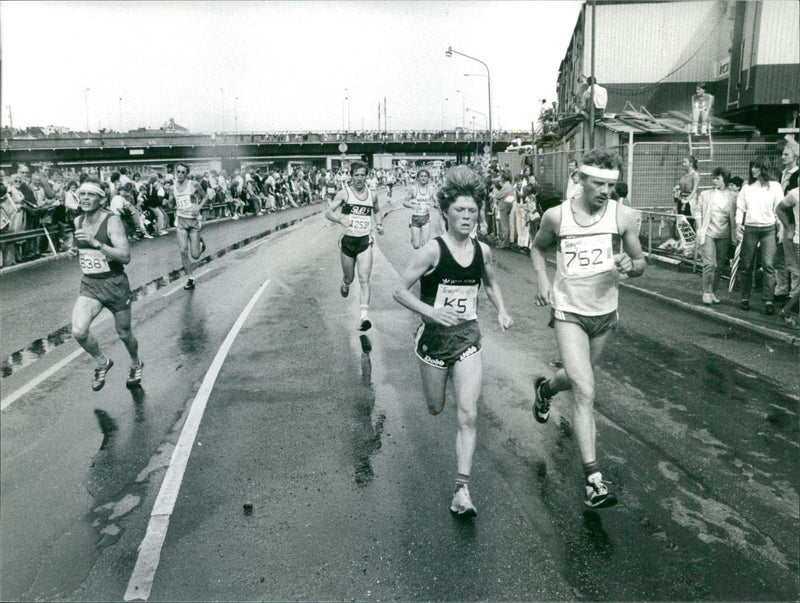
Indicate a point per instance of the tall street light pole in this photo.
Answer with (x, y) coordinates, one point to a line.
(222, 99)
(450, 52)
(483, 115)
(86, 104)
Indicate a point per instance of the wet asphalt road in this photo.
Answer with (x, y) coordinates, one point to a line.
(348, 476)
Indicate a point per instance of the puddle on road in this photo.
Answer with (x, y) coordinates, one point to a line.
(40, 347)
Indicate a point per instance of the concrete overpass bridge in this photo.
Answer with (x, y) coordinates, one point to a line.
(230, 149)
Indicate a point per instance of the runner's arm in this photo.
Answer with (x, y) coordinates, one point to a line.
(545, 239)
(493, 289)
(632, 261)
(377, 215)
(423, 261)
(333, 213)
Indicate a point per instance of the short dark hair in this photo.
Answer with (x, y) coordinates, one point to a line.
(181, 163)
(358, 165)
(692, 161)
(736, 181)
(721, 171)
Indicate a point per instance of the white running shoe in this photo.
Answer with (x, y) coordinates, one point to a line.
(462, 503)
(597, 494)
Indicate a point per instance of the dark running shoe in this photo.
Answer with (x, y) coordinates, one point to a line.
(597, 494)
(344, 289)
(365, 325)
(189, 284)
(541, 404)
(99, 379)
(769, 309)
(135, 376)
(744, 304)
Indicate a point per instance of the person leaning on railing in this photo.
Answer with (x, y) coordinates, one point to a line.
(716, 216)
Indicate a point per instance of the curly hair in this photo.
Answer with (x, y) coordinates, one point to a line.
(461, 182)
(603, 158)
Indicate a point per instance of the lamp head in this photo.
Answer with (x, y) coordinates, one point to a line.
(449, 52)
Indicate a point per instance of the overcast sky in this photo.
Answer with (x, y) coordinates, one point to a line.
(289, 63)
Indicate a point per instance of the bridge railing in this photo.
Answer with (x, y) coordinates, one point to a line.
(144, 139)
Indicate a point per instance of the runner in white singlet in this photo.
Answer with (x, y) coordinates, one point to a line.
(585, 231)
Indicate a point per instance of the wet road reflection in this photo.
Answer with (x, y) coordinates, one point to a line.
(366, 435)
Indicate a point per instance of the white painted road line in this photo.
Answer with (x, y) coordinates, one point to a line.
(144, 572)
(14, 396)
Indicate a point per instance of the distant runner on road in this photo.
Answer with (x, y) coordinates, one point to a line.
(422, 199)
(355, 208)
(103, 251)
(450, 270)
(585, 231)
(188, 198)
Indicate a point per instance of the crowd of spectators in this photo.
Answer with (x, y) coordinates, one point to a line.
(39, 204)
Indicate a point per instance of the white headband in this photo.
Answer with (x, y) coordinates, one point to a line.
(600, 173)
(91, 187)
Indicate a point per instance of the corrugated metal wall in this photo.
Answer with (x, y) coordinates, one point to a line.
(648, 42)
(779, 39)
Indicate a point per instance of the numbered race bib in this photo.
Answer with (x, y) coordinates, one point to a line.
(461, 298)
(93, 261)
(183, 202)
(585, 256)
(359, 225)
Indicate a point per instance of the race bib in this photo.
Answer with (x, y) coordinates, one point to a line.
(183, 202)
(360, 225)
(461, 298)
(585, 256)
(93, 261)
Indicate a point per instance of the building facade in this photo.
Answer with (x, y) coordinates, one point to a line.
(652, 54)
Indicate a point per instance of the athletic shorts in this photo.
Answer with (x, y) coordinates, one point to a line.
(113, 292)
(594, 326)
(442, 347)
(187, 223)
(419, 221)
(352, 246)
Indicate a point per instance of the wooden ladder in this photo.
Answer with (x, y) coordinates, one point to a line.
(701, 147)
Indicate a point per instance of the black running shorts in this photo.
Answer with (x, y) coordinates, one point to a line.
(442, 347)
(419, 221)
(113, 292)
(352, 246)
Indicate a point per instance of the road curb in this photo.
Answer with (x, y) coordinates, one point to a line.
(792, 340)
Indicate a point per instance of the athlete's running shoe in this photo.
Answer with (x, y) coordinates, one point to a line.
(344, 289)
(99, 379)
(462, 503)
(597, 494)
(541, 404)
(189, 284)
(135, 376)
(365, 325)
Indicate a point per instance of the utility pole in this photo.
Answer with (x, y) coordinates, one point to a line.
(591, 88)
(379, 116)
(10, 120)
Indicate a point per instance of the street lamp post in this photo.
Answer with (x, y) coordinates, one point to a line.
(222, 100)
(450, 52)
(86, 104)
(443, 102)
(483, 115)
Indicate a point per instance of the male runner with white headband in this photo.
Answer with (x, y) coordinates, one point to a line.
(103, 250)
(585, 231)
